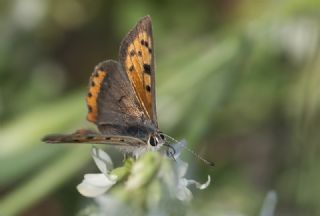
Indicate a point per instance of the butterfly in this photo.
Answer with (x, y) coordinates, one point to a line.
(121, 98)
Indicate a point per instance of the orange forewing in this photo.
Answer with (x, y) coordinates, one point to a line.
(95, 83)
(138, 67)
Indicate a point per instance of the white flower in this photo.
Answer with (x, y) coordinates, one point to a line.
(176, 181)
(182, 191)
(96, 184)
(178, 147)
(141, 172)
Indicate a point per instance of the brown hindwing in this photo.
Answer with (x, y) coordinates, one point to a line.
(112, 103)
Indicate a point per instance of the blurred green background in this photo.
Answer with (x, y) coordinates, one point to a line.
(240, 80)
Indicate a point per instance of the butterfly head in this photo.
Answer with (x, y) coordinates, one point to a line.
(156, 139)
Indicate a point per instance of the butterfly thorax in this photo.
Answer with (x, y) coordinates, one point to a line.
(143, 130)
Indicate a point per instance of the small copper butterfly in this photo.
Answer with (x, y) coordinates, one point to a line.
(121, 99)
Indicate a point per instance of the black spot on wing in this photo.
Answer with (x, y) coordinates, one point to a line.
(147, 69)
(132, 52)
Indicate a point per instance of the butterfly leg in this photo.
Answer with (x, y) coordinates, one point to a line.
(125, 157)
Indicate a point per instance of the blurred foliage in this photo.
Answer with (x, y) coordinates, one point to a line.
(238, 79)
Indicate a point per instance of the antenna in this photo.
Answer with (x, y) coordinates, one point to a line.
(192, 152)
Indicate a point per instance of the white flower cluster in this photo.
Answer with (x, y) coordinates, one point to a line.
(94, 185)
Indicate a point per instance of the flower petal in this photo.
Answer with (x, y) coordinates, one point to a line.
(100, 180)
(178, 148)
(102, 160)
(88, 190)
(95, 184)
(182, 168)
(200, 186)
(183, 193)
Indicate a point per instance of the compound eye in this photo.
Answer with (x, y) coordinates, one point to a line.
(152, 141)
